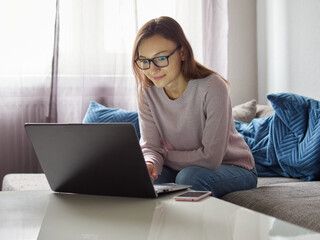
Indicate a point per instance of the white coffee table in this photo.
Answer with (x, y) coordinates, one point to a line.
(46, 215)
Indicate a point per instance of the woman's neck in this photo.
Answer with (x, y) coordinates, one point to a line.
(176, 89)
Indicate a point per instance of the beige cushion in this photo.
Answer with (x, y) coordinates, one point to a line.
(264, 111)
(245, 112)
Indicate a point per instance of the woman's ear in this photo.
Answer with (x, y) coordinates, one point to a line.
(182, 53)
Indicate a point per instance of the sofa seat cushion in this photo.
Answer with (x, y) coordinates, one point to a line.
(25, 181)
(265, 181)
(294, 202)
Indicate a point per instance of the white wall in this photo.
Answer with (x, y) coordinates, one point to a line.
(288, 47)
(242, 50)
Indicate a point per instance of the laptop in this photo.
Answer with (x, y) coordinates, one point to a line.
(99, 159)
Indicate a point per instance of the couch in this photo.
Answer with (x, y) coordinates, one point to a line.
(284, 197)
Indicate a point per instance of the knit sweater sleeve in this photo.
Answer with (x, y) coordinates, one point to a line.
(215, 137)
(150, 140)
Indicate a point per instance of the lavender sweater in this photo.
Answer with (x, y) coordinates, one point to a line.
(197, 129)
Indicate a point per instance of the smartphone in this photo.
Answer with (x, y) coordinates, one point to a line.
(192, 196)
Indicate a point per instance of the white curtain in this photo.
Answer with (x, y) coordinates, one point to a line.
(288, 39)
(94, 59)
(96, 40)
(26, 46)
(215, 35)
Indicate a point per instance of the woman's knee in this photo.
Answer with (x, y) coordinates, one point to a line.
(191, 176)
(220, 182)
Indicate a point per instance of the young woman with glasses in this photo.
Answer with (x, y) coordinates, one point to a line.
(187, 130)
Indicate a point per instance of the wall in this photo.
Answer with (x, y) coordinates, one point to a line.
(288, 47)
(242, 50)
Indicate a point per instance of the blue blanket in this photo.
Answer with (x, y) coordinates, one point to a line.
(286, 143)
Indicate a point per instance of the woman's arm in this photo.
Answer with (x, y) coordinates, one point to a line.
(150, 140)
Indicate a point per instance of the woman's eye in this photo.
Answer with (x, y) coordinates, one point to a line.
(160, 58)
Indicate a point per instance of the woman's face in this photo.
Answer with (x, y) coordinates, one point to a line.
(158, 46)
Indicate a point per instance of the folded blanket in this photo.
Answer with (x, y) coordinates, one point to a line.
(286, 143)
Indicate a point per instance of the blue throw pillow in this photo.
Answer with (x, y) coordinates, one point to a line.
(98, 113)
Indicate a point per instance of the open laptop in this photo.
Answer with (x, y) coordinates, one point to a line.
(100, 159)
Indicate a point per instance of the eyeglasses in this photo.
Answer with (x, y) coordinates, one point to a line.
(162, 61)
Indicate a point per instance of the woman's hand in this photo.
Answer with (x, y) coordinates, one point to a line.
(152, 171)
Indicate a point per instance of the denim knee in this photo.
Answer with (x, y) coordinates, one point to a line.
(192, 176)
(225, 179)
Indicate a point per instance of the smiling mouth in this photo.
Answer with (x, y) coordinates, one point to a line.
(159, 78)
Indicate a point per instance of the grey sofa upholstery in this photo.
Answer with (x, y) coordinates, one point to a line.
(291, 200)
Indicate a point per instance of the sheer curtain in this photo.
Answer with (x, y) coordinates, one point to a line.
(215, 35)
(93, 60)
(96, 39)
(26, 46)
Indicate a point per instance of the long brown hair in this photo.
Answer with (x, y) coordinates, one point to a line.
(170, 29)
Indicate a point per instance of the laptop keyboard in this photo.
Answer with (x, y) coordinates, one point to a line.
(161, 187)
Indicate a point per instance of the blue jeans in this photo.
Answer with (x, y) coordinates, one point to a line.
(225, 179)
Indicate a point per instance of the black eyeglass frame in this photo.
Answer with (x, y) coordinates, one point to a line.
(152, 60)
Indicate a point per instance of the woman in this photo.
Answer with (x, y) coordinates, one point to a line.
(187, 130)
